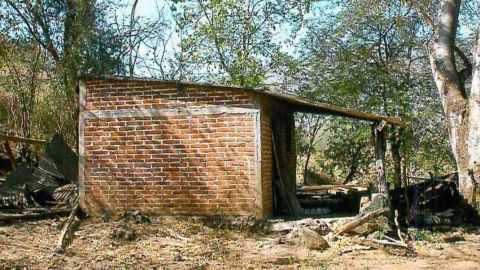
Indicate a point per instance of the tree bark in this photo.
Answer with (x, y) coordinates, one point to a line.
(305, 167)
(462, 113)
(131, 58)
(312, 135)
(395, 141)
(378, 132)
(353, 164)
(351, 174)
(473, 141)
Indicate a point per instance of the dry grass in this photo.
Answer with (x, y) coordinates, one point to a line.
(188, 243)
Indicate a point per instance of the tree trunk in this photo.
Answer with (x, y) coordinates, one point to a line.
(305, 167)
(395, 141)
(131, 58)
(473, 140)
(351, 174)
(353, 164)
(378, 132)
(455, 107)
(78, 26)
(462, 113)
(312, 135)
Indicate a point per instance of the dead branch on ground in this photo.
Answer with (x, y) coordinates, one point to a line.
(362, 219)
(37, 215)
(68, 228)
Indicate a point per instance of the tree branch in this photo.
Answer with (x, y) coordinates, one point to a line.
(131, 61)
(466, 72)
(223, 60)
(48, 44)
(424, 14)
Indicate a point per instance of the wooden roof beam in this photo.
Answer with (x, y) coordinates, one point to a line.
(11, 138)
(301, 105)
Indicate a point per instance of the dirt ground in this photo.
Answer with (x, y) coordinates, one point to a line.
(172, 243)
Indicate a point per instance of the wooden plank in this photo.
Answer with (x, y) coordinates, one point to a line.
(36, 215)
(11, 138)
(318, 107)
(332, 187)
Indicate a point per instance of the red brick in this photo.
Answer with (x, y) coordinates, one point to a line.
(200, 164)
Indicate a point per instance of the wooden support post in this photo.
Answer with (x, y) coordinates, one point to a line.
(11, 138)
(378, 132)
(289, 196)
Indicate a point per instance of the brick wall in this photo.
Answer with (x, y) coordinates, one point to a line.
(266, 167)
(116, 95)
(165, 148)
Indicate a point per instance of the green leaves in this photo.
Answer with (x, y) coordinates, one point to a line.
(67, 38)
(232, 41)
(368, 56)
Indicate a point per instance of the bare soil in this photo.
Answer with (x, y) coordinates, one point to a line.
(172, 243)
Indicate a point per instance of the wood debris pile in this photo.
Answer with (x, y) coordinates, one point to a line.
(52, 181)
(323, 200)
(320, 234)
(44, 189)
(430, 203)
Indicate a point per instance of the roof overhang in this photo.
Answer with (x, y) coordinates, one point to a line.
(295, 103)
(300, 105)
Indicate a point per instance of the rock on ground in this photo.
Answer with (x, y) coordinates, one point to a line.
(305, 237)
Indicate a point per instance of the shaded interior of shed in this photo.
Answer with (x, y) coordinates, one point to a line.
(315, 201)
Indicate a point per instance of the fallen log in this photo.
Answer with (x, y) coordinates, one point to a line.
(362, 219)
(37, 215)
(67, 230)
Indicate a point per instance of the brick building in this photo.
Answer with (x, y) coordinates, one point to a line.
(189, 149)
